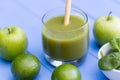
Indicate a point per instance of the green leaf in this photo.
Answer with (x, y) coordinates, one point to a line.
(101, 53)
(110, 61)
(115, 44)
(118, 68)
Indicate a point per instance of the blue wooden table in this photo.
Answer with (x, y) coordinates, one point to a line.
(27, 14)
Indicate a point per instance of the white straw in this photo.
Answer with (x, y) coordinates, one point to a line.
(67, 13)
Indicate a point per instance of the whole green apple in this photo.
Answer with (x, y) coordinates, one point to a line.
(106, 28)
(13, 41)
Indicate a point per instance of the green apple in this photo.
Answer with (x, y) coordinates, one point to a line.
(106, 28)
(13, 41)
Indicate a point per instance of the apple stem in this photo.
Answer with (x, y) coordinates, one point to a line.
(108, 18)
(9, 31)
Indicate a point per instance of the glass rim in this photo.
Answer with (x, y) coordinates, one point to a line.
(77, 10)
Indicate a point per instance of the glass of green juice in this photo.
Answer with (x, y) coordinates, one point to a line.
(65, 44)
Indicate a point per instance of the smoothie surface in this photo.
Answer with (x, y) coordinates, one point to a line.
(57, 23)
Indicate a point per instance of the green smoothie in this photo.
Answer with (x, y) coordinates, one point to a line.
(65, 43)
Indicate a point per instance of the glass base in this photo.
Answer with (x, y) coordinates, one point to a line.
(57, 63)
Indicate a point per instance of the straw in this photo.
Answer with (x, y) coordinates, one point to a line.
(67, 13)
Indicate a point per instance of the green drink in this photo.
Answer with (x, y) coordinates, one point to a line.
(65, 43)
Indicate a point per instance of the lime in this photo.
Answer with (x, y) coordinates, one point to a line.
(66, 72)
(25, 67)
